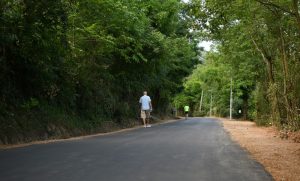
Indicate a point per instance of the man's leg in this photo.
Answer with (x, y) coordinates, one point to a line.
(143, 116)
(148, 122)
(148, 118)
(144, 121)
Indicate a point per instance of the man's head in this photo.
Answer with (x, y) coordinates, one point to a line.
(145, 93)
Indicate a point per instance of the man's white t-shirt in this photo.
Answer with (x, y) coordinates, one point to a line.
(145, 100)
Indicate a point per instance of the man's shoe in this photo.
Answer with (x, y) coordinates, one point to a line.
(148, 126)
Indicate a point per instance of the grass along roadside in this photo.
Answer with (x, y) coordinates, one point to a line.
(280, 157)
(157, 122)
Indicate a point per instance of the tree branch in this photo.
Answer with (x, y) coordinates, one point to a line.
(269, 4)
(296, 11)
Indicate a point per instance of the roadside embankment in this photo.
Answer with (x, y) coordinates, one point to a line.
(108, 129)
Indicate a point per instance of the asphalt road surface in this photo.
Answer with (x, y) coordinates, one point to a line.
(197, 149)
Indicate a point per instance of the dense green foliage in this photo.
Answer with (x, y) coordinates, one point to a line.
(74, 67)
(258, 47)
(67, 67)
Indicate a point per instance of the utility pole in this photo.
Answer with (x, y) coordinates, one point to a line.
(210, 110)
(230, 111)
(201, 100)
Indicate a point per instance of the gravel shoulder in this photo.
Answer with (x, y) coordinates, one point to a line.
(280, 157)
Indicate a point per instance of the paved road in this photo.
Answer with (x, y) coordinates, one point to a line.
(197, 149)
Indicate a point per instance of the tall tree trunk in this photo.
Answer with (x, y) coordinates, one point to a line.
(269, 63)
(285, 76)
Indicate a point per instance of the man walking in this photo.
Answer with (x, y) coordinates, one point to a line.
(146, 108)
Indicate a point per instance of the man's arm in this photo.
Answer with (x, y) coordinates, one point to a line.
(150, 105)
(140, 102)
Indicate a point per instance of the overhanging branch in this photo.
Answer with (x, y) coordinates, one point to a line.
(269, 4)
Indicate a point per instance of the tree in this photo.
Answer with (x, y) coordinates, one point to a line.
(70, 67)
(260, 30)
